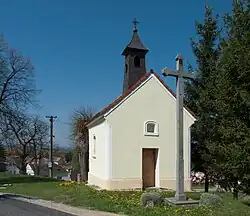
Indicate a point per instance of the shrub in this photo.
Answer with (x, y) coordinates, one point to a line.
(151, 199)
(246, 200)
(210, 199)
(193, 195)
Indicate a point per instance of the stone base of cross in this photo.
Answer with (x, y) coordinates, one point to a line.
(180, 76)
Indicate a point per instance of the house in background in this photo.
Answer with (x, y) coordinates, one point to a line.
(132, 142)
(44, 170)
(59, 160)
(13, 166)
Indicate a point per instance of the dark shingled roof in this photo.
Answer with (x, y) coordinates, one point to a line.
(135, 43)
(132, 88)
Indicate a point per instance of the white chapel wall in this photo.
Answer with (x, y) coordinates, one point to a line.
(151, 102)
(97, 162)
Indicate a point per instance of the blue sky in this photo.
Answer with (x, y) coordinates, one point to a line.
(75, 45)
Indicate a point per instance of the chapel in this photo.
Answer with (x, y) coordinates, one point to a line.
(132, 141)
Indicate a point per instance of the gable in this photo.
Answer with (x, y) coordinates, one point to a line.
(173, 96)
(123, 97)
(150, 103)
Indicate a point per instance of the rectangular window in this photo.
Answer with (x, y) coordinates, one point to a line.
(94, 147)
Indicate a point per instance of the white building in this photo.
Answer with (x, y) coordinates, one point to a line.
(132, 142)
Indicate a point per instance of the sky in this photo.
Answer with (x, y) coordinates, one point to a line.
(75, 46)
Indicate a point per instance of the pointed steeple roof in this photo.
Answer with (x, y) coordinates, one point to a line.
(135, 42)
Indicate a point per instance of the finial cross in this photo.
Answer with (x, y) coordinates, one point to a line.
(135, 22)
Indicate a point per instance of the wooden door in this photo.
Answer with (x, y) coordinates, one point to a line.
(148, 167)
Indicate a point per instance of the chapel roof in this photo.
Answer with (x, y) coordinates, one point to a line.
(130, 90)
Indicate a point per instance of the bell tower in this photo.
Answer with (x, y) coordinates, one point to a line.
(135, 63)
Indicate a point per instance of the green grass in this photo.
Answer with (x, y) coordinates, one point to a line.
(198, 186)
(8, 178)
(6, 174)
(201, 186)
(126, 202)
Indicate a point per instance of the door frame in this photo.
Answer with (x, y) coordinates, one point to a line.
(156, 167)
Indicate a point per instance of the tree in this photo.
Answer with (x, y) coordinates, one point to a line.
(68, 157)
(2, 158)
(76, 167)
(233, 100)
(17, 87)
(28, 136)
(199, 94)
(40, 143)
(80, 137)
(17, 84)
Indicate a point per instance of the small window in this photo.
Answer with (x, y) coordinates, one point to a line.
(94, 147)
(151, 128)
(137, 62)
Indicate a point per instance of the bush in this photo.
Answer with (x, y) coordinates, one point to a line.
(246, 200)
(193, 196)
(210, 199)
(151, 199)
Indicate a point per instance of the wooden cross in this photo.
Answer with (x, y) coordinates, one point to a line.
(180, 76)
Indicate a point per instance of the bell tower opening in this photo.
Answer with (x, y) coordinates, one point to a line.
(135, 63)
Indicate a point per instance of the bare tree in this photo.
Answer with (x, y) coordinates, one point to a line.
(40, 144)
(80, 137)
(28, 136)
(17, 91)
(17, 84)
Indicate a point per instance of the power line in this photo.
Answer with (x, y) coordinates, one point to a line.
(63, 122)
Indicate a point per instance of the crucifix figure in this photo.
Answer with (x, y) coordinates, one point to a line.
(180, 76)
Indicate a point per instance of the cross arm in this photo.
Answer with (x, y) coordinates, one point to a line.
(167, 72)
(189, 75)
(178, 74)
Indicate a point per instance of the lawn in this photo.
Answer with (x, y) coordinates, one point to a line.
(8, 178)
(124, 202)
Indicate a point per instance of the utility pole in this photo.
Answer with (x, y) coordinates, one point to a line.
(50, 165)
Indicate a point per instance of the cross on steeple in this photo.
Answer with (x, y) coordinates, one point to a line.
(135, 22)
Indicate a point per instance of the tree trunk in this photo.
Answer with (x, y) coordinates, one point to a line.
(35, 159)
(23, 162)
(23, 167)
(83, 166)
(75, 164)
(206, 182)
(39, 165)
(236, 190)
(36, 162)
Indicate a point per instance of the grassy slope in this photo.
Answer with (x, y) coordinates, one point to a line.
(120, 202)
